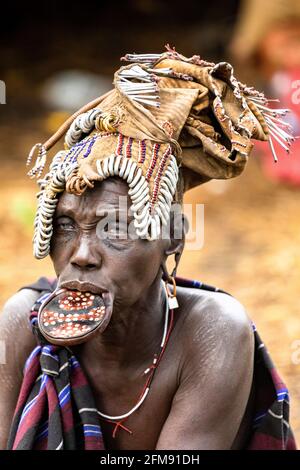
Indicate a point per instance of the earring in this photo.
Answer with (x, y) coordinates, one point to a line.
(172, 299)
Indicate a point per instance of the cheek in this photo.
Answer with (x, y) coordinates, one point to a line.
(61, 249)
(135, 270)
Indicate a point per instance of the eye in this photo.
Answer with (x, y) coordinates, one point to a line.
(112, 230)
(115, 230)
(64, 224)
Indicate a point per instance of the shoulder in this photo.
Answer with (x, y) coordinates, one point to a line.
(214, 313)
(15, 330)
(213, 303)
(16, 309)
(215, 329)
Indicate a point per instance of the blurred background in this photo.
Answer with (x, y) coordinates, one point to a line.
(59, 55)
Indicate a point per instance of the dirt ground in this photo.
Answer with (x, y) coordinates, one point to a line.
(251, 249)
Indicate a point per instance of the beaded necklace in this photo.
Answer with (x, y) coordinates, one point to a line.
(152, 368)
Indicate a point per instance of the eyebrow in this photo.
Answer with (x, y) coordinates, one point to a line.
(120, 213)
(100, 213)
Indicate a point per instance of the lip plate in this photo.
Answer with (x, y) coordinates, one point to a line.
(63, 341)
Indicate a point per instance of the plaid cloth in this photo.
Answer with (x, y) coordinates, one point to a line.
(56, 409)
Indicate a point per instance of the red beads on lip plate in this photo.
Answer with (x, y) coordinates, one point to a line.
(71, 314)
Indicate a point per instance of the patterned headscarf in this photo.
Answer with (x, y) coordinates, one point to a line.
(169, 124)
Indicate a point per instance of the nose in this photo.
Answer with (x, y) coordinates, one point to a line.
(85, 256)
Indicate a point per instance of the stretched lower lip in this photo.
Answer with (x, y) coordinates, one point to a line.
(82, 286)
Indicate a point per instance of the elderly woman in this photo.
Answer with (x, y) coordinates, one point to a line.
(130, 356)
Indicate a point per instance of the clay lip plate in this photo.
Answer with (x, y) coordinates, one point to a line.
(69, 316)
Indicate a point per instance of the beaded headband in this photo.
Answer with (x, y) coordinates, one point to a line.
(169, 124)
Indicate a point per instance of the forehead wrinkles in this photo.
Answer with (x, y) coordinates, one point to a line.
(107, 195)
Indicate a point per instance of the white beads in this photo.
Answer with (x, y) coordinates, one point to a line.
(83, 124)
(146, 225)
(43, 224)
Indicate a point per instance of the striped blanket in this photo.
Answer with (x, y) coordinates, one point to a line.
(56, 408)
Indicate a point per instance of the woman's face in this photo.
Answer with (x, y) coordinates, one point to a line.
(85, 248)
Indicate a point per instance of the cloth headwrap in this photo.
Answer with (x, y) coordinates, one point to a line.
(169, 124)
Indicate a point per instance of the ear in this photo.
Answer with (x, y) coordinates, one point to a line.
(178, 229)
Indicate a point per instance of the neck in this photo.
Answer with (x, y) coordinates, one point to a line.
(134, 334)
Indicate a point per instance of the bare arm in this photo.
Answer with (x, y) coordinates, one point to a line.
(215, 384)
(17, 341)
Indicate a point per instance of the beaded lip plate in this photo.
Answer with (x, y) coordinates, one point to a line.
(69, 317)
(169, 124)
